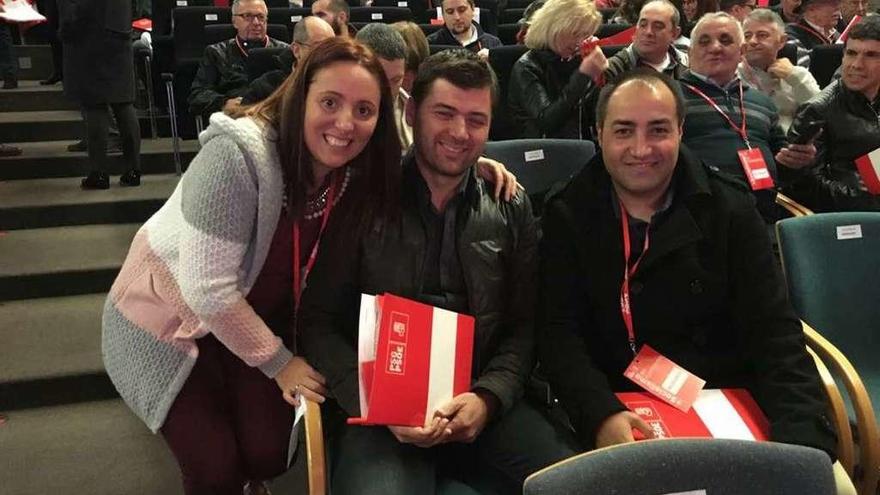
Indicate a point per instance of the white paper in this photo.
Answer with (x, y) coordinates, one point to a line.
(368, 327)
(18, 11)
(210, 17)
(403, 4)
(845, 232)
(376, 16)
(692, 492)
(441, 372)
(296, 18)
(294, 432)
(720, 417)
(534, 155)
(182, 3)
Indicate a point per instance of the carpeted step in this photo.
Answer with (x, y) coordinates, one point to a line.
(58, 125)
(39, 203)
(62, 261)
(47, 159)
(31, 96)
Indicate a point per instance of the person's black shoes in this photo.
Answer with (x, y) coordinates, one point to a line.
(114, 145)
(53, 79)
(131, 178)
(96, 180)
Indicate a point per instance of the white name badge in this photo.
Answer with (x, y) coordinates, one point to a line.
(376, 16)
(182, 3)
(403, 4)
(296, 18)
(210, 17)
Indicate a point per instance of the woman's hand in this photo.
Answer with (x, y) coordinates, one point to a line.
(298, 377)
(495, 172)
(594, 64)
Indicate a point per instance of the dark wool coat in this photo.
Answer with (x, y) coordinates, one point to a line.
(98, 61)
(708, 295)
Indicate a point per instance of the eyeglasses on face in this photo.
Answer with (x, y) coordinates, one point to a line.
(251, 17)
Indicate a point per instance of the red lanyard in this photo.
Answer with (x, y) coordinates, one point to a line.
(628, 272)
(741, 129)
(300, 275)
(243, 51)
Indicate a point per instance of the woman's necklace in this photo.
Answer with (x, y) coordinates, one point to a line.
(315, 207)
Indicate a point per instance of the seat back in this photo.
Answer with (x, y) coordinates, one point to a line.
(510, 16)
(507, 33)
(502, 59)
(288, 16)
(832, 266)
(824, 61)
(789, 51)
(429, 29)
(419, 8)
(731, 467)
(606, 30)
(385, 15)
(541, 164)
(189, 30)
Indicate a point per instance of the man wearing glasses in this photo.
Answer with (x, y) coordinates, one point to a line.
(222, 78)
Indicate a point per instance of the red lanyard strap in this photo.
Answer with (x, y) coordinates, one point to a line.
(739, 129)
(300, 274)
(629, 272)
(816, 34)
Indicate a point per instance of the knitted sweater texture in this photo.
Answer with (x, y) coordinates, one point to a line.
(190, 268)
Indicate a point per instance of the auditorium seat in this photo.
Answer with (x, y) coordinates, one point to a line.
(507, 33)
(831, 265)
(692, 466)
(419, 8)
(430, 28)
(385, 15)
(288, 16)
(502, 59)
(607, 14)
(788, 51)
(606, 30)
(510, 16)
(189, 30)
(541, 165)
(824, 61)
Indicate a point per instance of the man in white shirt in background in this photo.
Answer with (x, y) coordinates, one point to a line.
(786, 84)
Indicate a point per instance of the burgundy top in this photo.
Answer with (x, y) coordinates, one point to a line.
(272, 294)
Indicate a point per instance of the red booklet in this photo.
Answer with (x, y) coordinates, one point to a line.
(716, 413)
(412, 359)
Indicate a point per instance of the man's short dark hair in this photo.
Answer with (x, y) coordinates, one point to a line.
(470, 2)
(462, 68)
(648, 76)
(867, 29)
(384, 40)
(339, 6)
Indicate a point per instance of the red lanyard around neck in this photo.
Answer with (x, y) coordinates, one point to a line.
(243, 51)
(739, 129)
(300, 274)
(629, 272)
(816, 34)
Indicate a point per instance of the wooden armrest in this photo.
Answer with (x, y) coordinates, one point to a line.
(316, 462)
(869, 438)
(793, 207)
(839, 416)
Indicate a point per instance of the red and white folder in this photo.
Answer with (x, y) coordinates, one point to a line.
(412, 359)
(717, 413)
(869, 169)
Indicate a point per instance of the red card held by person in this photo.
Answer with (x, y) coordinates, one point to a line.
(666, 380)
(412, 359)
(716, 413)
(869, 170)
(755, 169)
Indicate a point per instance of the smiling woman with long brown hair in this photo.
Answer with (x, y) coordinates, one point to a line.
(199, 327)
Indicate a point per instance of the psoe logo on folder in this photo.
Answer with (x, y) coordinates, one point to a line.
(396, 358)
(399, 327)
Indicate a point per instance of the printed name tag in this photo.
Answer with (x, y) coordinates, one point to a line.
(534, 155)
(403, 4)
(210, 17)
(296, 18)
(666, 380)
(849, 232)
(181, 3)
(376, 16)
(755, 169)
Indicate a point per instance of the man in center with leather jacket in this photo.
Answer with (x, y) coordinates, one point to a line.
(454, 247)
